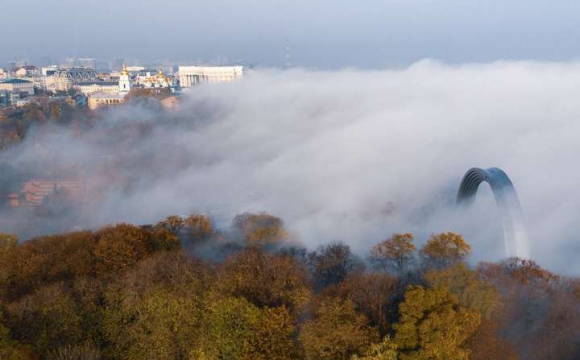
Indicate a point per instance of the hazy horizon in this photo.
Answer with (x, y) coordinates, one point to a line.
(321, 34)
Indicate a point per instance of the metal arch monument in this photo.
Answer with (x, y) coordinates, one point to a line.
(514, 231)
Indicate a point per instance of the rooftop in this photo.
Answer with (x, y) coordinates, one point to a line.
(101, 95)
(15, 81)
(102, 83)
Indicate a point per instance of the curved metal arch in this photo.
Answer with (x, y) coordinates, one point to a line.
(506, 198)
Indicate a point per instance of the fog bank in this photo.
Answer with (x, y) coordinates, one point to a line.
(346, 155)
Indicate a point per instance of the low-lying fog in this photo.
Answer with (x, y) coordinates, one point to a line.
(347, 155)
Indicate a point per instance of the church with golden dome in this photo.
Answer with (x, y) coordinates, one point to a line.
(125, 84)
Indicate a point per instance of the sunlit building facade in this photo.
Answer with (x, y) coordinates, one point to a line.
(195, 75)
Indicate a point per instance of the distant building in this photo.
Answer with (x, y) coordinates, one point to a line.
(17, 86)
(66, 79)
(195, 75)
(48, 70)
(99, 100)
(152, 79)
(34, 192)
(91, 87)
(27, 71)
(135, 68)
(3, 74)
(124, 81)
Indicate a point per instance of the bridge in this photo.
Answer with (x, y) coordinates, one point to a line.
(514, 231)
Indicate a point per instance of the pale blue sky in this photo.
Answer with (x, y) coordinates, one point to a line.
(321, 33)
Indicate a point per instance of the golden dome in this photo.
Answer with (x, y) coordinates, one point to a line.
(124, 71)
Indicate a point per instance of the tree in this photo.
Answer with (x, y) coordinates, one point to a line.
(337, 332)
(433, 326)
(11, 349)
(46, 319)
(46, 260)
(8, 250)
(154, 310)
(234, 329)
(444, 249)
(333, 262)
(163, 239)
(199, 227)
(264, 280)
(385, 350)
(173, 223)
(527, 271)
(395, 253)
(486, 344)
(76, 352)
(121, 247)
(275, 336)
(472, 292)
(260, 230)
(372, 294)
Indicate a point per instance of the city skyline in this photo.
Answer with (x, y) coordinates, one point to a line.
(322, 34)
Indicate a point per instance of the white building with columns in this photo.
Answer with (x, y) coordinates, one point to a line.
(195, 75)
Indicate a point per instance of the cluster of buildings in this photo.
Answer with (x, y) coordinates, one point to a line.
(34, 192)
(78, 77)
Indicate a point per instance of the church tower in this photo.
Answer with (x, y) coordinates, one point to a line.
(124, 81)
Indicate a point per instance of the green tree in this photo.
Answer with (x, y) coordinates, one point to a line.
(337, 332)
(433, 326)
(396, 253)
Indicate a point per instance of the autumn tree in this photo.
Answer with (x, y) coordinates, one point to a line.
(260, 229)
(121, 247)
(46, 319)
(444, 249)
(45, 260)
(8, 256)
(395, 253)
(372, 294)
(199, 227)
(434, 326)
(487, 343)
(163, 239)
(173, 223)
(385, 350)
(264, 279)
(154, 311)
(76, 352)
(333, 262)
(337, 332)
(11, 349)
(473, 293)
(235, 329)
